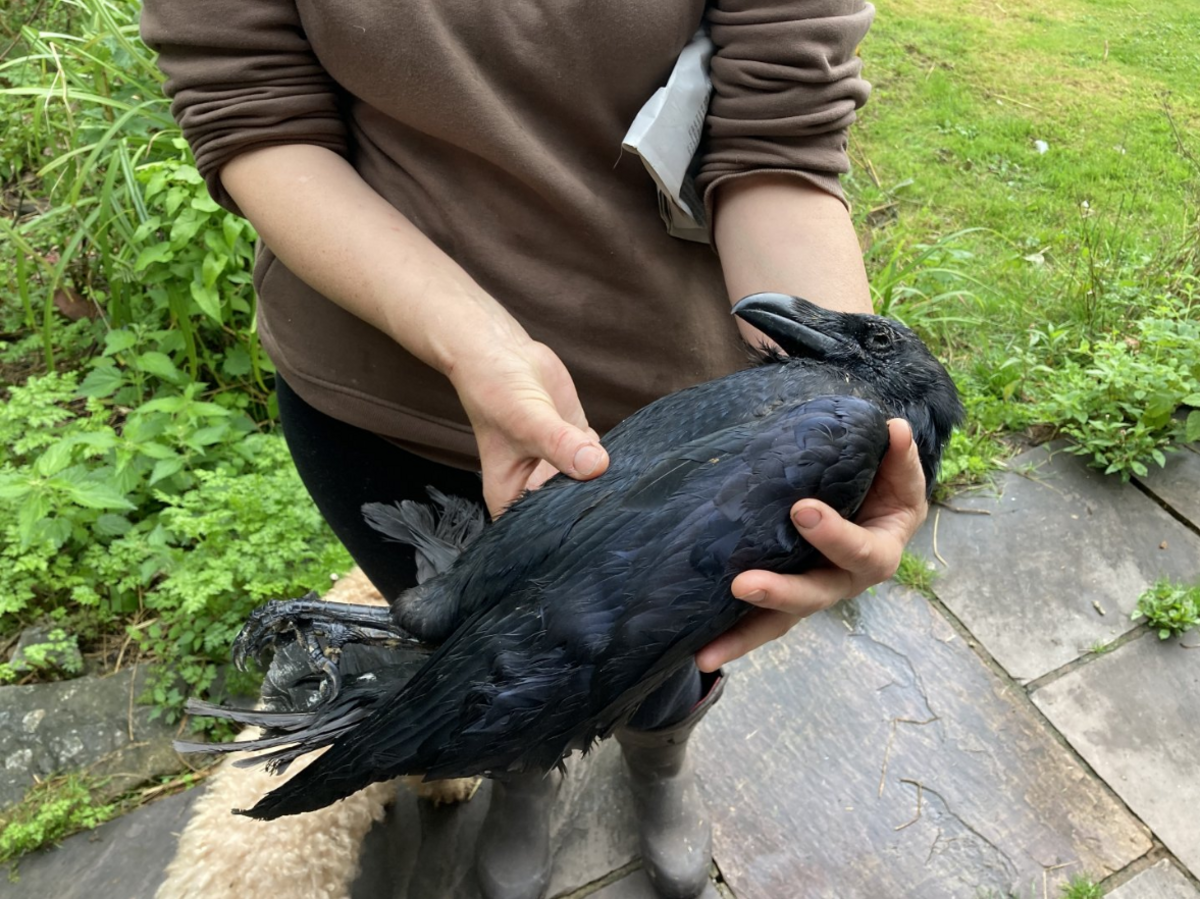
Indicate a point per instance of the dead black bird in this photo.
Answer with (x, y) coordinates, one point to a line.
(559, 619)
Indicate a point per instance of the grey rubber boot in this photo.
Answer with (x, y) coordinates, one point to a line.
(512, 857)
(673, 825)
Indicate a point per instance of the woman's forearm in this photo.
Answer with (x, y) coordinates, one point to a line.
(343, 239)
(778, 233)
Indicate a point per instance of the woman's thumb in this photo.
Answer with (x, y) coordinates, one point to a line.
(575, 452)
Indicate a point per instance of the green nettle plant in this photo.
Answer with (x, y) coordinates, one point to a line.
(176, 511)
(53, 809)
(1170, 609)
(140, 486)
(1118, 398)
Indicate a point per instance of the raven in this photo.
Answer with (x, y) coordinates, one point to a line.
(562, 616)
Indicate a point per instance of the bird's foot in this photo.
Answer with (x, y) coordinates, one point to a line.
(322, 628)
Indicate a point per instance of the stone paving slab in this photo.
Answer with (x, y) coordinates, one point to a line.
(637, 886)
(1160, 881)
(123, 859)
(421, 851)
(1029, 578)
(872, 754)
(87, 722)
(1134, 715)
(1178, 482)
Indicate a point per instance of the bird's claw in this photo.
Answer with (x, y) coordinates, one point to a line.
(322, 628)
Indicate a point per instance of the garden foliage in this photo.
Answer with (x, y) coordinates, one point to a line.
(143, 491)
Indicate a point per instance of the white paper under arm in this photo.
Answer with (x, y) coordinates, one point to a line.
(667, 132)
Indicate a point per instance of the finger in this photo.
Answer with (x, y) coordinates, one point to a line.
(571, 450)
(870, 554)
(757, 628)
(544, 472)
(797, 595)
(900, 482)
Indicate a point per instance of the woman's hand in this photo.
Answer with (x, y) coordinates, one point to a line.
(527, 419)
(861, 554)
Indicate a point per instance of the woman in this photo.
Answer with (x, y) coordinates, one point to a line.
(459, 272)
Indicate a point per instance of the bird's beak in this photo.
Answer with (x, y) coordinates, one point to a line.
(789, 322)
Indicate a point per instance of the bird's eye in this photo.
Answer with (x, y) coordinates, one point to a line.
(879, 340)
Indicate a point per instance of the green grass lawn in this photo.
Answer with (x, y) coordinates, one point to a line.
(963, 93)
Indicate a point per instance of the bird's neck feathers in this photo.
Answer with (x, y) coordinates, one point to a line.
(932, 424)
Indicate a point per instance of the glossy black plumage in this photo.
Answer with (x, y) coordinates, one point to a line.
(559, 619)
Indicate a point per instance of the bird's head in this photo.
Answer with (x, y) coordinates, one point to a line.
(911, 383)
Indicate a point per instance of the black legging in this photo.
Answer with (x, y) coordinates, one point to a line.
(344, 467)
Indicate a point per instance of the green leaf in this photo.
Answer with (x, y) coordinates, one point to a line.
(56, 457)
(111, 525)
(147, 228)
(208, 300)
(156, 183)
(231, 228)
(157, 364)
(184, 228)
(175, 198)
(164, 468)
(159, 252)
(13, 486)
(212, 267)
(155, 450)
(168, 404)
(1191, 430)
(204, 203)
(102, 381)
(236, 362)
(94, 495)
(57, 531)
(202, 437)
(118, 341)
(33, 510)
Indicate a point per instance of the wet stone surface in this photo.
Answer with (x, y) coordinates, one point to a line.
(123, 859)
(91, 723)
(1160, 881)
(1178, 482)
(1134, 715)
(1053, 564)
(871, 753)
(637, 886)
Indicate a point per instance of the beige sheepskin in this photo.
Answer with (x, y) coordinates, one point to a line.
(311, 856)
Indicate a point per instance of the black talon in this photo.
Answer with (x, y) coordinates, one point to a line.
(331, 682)
(322, 628)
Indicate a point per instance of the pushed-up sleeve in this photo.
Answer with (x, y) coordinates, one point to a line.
(241, 75)
(786, 84)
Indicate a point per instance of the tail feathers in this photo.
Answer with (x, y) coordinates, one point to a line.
(439, 537)
(327, 780)
(265, 718)
(292, 734)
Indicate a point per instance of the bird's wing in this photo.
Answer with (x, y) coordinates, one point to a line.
(631, 601)
(636, 591)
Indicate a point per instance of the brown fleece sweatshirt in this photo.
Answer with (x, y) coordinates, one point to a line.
(496, 128)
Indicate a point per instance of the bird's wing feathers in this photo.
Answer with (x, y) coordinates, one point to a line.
(641, 585)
